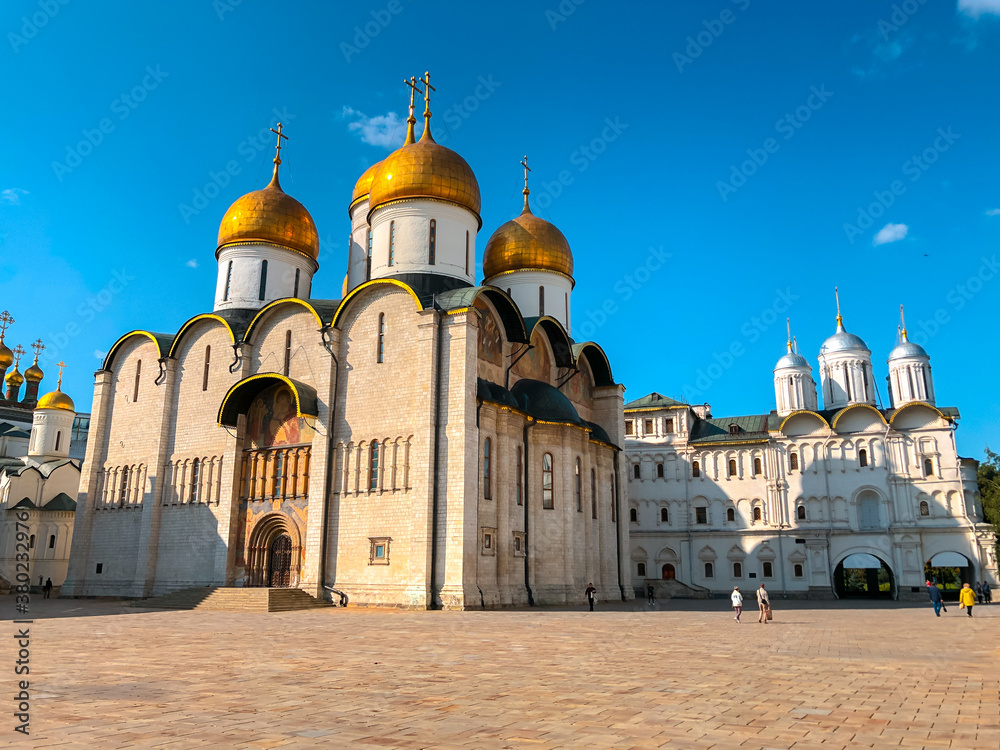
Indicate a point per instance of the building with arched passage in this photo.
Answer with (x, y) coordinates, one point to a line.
(853, 499)
(420, 441)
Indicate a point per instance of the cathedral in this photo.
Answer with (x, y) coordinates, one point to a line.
(423, 441)
(848, 500)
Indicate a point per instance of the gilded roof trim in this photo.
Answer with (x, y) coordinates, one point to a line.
(292, 384)
(195, 319)
(272, 243)
(367, 285)
(275, 303)
(118, 344)
(852, 407)
(394, 201)
(572, 281)
(926, 405)
(799, 412)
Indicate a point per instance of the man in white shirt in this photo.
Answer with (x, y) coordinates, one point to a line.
(764, 603)
(737, 599)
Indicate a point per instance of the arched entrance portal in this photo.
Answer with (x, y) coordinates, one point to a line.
(949, 570)
(668, 572)
(274, 552)
(864, 576)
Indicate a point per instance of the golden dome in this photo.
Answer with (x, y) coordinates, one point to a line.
(34, 373)
(270, 215)
(14, 377)
(56, 400)
(6, 356)
(424, 169)
(527, 243)
(364, 183)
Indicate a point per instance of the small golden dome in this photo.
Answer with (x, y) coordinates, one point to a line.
(6, 356)
(364, 184)
(56, 400)
(270, 215)
(527, 243)
(34, 373)
(424, 169)
(14, 377)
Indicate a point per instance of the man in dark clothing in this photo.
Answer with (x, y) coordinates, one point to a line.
(591, 593)
(650, 594)
(936, 600)
(47, 588)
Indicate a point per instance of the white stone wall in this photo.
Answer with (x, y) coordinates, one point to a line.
(244, 286)
(411, 219)
(910, 380)
(357, 254)
(523, 287)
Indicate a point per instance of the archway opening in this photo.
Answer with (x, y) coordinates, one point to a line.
(949, 570)
(280, 562)
(864, 576)
(273, 554)
(668, 573)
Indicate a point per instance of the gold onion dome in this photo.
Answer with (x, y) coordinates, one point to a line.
(270, 215)
(527, 243)
(424, 169)
(56, 400)
(14, 377)
(364, 184)
(6, 355)
(34, 373)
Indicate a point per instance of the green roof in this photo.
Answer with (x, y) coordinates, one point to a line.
(749, 428)
(26, 504)
(653, 401)
(62, 501)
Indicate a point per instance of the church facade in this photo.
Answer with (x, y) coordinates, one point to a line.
(848, 500)
(422, 441)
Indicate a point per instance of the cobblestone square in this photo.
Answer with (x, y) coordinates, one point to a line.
(680, 675)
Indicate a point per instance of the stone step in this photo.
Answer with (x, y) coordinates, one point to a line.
(220, 598)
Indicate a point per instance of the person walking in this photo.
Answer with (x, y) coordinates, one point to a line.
(650, 595)
(737, 599)
(966, 598)
(987, 592)
(764, 602)
(591, 593)
(47, 588)
(979, 591)
(936, 599)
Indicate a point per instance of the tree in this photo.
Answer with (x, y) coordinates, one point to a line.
(988, 478)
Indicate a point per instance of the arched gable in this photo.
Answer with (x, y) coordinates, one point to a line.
(240, 396)
(595, 357)
(161, 341)
(803, 422)
(361, 289)
(175, 344)
(268, 308)
(562, 347)
(916, 415)
(857, 418)
(459, 300)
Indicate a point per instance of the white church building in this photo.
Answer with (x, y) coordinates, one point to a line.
(848, 500)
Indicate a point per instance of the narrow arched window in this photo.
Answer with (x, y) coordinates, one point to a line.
(640, 570)
(695, 469)
(633, 515)
(52, 541)
(123, 486)
(138, 371)
(229, 281)
(58, 438)
(392, 242)
(797, 570)
(467, 253)
(295, 288)
(373, 466)
(757, 514)
(380, 344)
(800, 513)
(928, 467)
(263, 280)
(195, 479)
(432, 242)
(593, 494)
(925, 509)
(732, 467)
(793, 461)
(567, 308)
(768, 570)
(31, 542)
(709, 570)
(737, 570)
(664, 515)
(730, 514)
(756, 467)
(547, 494)
(578, 488)
(288, 353)
(520, 476)
(863, 457)
(614, 502)
(208, 360)
(659, 471)
(368, 256)
(487, 469)
(636, 471)
(541, 301)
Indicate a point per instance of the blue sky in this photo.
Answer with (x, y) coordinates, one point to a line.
(716, 166)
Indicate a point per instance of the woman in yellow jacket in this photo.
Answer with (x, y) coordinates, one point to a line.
(966, 598)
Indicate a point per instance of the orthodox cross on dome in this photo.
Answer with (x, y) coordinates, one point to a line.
(18, 353)
(902, 323)
(39, 347)
(788, 325)
(59, 384)
(426, 80)
(277, 156)
(840, 318)
(411, 120)
(524, 163)
(6, 319)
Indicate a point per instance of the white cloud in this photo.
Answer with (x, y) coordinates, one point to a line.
(993, 212)
(976, 8)
(386, 130)
(890, 233)
(192, 263)
(98, 354)
(12, 195)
